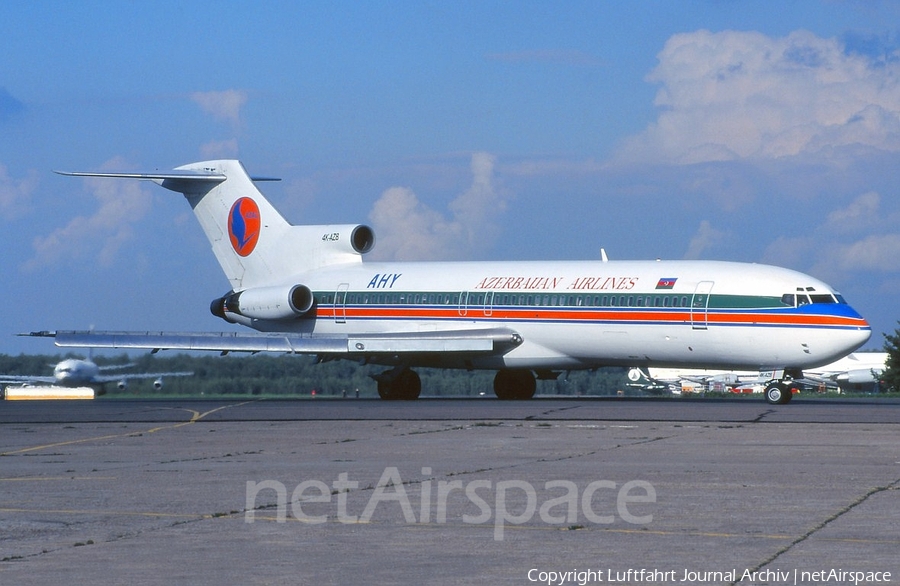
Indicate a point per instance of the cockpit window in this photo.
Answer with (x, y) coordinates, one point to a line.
(806, 296)
(822, 298)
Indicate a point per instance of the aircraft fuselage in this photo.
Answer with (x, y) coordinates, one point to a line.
(580, 314)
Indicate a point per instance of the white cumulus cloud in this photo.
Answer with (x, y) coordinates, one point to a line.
(407, 229)
(859, 237)
(862, 213)
(878, 253)
(705, 238)
(100, 235)
(224, 105)
(15, 194)
(220, 149)
(732, 95)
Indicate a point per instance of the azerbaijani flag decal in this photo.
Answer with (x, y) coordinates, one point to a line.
(666, 283)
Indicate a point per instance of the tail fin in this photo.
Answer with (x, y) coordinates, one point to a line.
(254, 244)
(233, 214)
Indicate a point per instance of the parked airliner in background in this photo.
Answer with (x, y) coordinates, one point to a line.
(858, 371)
(307, 290)
(78, 372)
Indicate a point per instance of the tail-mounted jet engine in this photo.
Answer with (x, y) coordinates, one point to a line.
(330, 244)
(362, 239)
(276, 303)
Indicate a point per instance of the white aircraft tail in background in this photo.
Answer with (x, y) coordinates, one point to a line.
(306, 289)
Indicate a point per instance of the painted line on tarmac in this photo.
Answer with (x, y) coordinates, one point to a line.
(55, 478)
(195, 417)
(153, 514)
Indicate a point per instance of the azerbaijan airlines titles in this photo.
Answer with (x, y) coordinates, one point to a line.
(534, 283)
(632, 576)
(547, 283)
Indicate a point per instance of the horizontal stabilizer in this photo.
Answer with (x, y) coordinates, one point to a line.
(176, 175)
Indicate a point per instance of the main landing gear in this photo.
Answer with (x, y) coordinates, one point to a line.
(398, 384)
(403, 384)
(514, 384)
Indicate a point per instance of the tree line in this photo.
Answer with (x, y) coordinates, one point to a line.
(292, 375)
(890, 379)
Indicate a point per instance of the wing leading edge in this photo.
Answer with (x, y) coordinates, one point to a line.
(484, 341)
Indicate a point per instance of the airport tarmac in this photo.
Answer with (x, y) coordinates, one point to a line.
(350, 491)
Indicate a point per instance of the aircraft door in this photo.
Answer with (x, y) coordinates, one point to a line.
(489, 304)
(474, 301)
(700, 304)
(340, 303)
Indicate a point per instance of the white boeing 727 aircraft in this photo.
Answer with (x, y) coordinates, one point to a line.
(79, 372)
(307, 290)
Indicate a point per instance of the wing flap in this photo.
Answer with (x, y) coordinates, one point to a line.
(404, 345)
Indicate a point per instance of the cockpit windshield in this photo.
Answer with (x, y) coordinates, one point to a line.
(808, 295)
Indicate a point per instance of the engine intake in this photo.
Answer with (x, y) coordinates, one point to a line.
(265, 303)
(362, 238)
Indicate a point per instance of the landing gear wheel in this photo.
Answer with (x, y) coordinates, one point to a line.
(514, 384)
(406, 386)
(778, 393)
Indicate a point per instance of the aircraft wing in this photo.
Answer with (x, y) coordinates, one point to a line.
(137, 376)
(480, 341)
(15, 378)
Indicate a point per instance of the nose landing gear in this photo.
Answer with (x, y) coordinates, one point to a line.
(780, 388)
(778, 393)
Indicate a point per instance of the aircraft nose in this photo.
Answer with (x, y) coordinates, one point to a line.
(860, 335)
(860, 330)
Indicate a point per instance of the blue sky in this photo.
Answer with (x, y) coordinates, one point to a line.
(759, 132)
